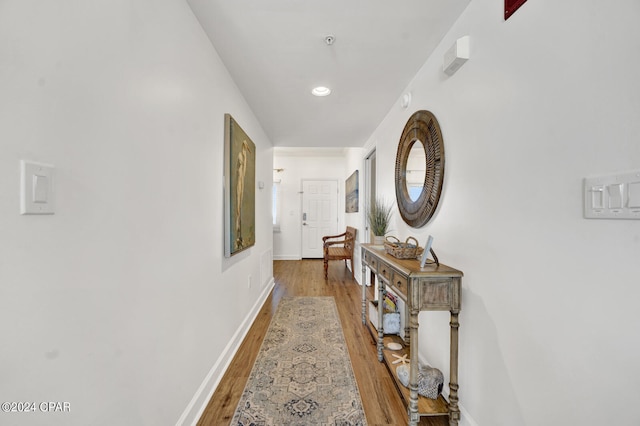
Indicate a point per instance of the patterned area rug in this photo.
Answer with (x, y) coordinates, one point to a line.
(303, 374)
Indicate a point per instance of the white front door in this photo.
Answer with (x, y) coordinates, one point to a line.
(319, 214)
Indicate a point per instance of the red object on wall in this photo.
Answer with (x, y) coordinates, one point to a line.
(510, 6)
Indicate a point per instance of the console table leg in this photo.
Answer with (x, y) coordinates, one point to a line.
(454, 411)
(380, 311)
(407, 327)
(414, 417)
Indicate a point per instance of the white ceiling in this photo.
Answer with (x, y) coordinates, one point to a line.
(276, 53)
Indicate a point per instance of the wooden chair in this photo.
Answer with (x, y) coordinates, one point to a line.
(343, 251)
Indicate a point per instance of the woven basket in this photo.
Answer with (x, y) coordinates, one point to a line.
(404, 250)
(430, 380)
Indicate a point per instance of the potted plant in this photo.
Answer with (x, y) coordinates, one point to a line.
(379, 217)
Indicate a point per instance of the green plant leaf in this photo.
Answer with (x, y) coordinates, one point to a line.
(379, 216)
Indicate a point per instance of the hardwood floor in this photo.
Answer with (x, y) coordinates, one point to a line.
(380, 399)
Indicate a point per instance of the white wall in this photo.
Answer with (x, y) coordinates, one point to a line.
(121, 303)
(549, 322)
(300, 165)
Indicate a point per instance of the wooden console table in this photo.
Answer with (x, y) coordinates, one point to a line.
(432, 288)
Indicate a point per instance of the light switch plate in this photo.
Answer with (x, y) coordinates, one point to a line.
(613, 196)
(36, 188)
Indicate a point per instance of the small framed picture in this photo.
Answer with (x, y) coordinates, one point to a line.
(427, 250)
(510, 6)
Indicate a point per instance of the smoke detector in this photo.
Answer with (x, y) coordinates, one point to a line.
(329, 39)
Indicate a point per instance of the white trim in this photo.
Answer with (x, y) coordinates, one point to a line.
(369, 182)
(287, 257)
(199, 402)
(465, 417)
(276, 204)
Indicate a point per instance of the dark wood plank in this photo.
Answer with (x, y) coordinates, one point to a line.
(382, 404)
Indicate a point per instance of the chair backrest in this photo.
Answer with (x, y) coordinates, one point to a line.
(351, 238)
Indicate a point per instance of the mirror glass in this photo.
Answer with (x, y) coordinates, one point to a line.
(416, 170)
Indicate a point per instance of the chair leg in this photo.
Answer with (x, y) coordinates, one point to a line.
(326, 266)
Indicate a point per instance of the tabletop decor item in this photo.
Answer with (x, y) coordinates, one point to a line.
(406, 250)
(428, 249)
(430, 380)
(390, 315)
(425, 253)
(379, 217)
(394, 346)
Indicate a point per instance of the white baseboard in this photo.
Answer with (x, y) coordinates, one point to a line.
(286, 257)
(465, 417)
(199, 402)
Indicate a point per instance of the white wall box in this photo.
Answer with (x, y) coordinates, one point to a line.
(456, 56)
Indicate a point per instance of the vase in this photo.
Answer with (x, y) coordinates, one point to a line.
(378, 240)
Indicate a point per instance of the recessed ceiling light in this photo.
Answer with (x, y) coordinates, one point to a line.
(321, 91)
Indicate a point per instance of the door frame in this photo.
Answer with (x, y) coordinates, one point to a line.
(370, 178)
(370, 168)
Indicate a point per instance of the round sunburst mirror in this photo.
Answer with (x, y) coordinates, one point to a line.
(419, 168)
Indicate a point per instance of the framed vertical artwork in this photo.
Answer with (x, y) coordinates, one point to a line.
(510, 6)
(351, 193)
(239, 188)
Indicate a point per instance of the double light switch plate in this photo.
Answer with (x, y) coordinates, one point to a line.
(614, 196)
